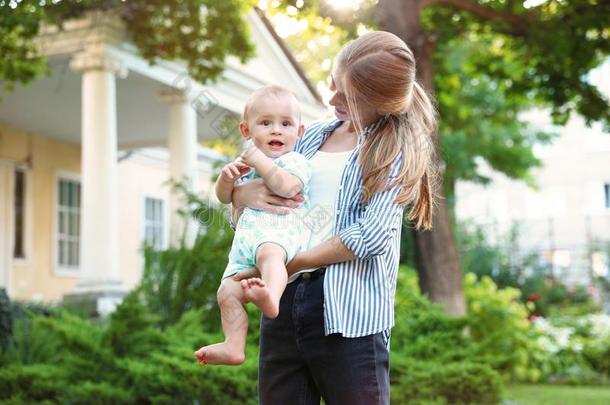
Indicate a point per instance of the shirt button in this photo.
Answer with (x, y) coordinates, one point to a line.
(306, 276)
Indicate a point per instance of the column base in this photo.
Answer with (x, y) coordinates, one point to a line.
(95, 299)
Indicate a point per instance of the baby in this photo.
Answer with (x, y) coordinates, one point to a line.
(272, 120)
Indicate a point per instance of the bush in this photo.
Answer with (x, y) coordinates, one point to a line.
(498, 321)
(450, 383)
(6, 320)
(524, 271)
(179, 279)
(576, 349)
(433, 359)
(119, 363)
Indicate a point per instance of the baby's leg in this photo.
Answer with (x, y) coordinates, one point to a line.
(234, 325)
(266, 293)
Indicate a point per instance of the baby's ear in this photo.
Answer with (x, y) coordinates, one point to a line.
(301, 130)
(245, 131)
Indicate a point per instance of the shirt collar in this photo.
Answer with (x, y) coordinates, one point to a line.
(334, 123)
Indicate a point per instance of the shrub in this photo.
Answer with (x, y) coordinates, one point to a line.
(498, 321)
(180, 279)
(449, 383)
(6, 320)
(433, 359)
(508, 267)
(131, 359)
(576, 349)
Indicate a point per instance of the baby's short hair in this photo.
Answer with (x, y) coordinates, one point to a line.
(271, 89)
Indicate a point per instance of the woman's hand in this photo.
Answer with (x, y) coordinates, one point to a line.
(254, 194)
(242, 275)
(295, 264)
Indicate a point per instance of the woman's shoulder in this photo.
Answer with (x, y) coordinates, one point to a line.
(314, 133)
(320, 127)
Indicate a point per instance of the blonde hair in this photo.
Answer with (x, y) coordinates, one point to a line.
(379, 69)
(271, 89)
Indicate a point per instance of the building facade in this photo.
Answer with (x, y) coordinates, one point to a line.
(85, 154)
(565, 219)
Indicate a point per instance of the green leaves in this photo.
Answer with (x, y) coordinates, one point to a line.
(480, 109)
(202, 33)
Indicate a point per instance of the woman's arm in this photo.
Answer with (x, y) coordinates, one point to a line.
(369, 236)
(328, 252)
(254, 194)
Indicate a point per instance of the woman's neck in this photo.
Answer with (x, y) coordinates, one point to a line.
(342, 139)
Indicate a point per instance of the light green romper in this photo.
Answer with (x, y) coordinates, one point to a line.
(256, 227)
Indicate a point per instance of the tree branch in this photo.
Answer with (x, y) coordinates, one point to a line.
(519, 23)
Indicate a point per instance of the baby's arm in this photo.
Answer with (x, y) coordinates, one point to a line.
(279, 181)
(228, 175)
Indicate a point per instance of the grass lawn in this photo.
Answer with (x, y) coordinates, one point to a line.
(557, 395)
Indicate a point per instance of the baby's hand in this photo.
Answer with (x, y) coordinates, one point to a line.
(252, 155)
(234, 170)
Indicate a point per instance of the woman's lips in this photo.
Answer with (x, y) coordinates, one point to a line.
(340, 111)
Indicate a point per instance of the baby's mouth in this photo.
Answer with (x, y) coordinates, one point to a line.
(276, 144)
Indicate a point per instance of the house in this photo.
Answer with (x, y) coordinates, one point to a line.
(86, 151)
(565, 220)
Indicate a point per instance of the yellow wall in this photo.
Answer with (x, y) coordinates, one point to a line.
(35, 278)
(139, 176)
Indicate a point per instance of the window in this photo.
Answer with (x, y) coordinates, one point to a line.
(68, 224)
(607, 194)
(19, 244)
(153, 223)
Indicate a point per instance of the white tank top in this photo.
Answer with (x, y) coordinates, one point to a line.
(327, 168)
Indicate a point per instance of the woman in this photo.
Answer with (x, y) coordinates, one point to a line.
(331, 337)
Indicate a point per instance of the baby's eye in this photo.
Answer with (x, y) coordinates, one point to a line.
(266, 122)
(286, 123)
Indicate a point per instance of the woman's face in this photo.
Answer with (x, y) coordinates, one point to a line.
(367, 112)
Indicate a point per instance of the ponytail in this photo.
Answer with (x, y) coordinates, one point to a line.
(409, 135)
(380, 70)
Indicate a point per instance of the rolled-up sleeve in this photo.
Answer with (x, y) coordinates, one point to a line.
(370, 235)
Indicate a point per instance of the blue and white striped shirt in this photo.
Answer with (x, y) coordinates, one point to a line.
(359, 294)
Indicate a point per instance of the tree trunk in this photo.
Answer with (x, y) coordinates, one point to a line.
(438, 263)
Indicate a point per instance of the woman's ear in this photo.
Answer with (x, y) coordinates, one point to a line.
(245, 131)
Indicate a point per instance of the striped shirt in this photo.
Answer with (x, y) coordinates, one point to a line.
(359, 294)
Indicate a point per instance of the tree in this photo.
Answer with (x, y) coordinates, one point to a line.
(557, 42)
(200, 32)
(486, 61)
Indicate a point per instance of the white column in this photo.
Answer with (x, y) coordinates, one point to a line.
(182, 144)
(99, 210)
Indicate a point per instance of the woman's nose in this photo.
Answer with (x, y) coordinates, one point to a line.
(333, 100)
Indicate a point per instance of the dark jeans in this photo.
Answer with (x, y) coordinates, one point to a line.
(298, 363)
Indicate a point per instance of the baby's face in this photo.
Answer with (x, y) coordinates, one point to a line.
(274, 124)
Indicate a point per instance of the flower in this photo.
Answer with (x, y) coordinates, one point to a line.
(534, 297)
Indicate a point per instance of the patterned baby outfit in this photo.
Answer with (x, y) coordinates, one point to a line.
(256, 227)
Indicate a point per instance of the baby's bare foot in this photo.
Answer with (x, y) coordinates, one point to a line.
(257, 292)
(220, 353)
